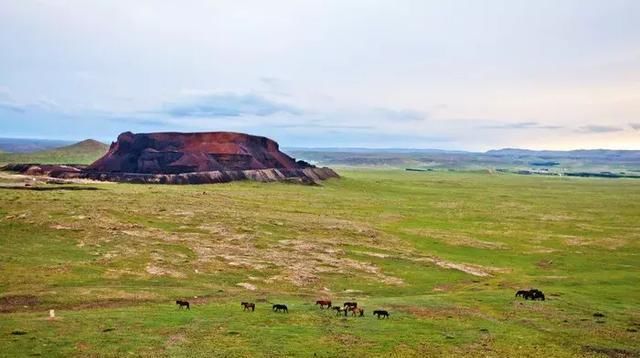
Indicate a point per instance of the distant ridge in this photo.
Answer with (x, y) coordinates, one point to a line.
(84, 152)
(576, 153)
(29, 145)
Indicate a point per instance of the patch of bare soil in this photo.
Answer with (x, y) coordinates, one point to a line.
(556, 217)
(247, 286)
(544, 264)
(611, 352)
(346, 339)
(542, 250)
(176, 339)
(104, 303)
(440, 312)
(10, 304)
(605, 243)
(13, 303)
(471, 269)
(456, 238)
(162, 271)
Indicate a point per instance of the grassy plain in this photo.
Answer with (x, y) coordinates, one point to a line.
(444, 252)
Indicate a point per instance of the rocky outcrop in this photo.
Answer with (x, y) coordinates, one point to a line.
(43, 169)
(189, 158)
(311, 175)
(176, 153)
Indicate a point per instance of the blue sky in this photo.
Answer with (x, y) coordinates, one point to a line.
(473, 75)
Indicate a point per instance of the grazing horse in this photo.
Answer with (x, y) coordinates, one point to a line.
(248, 306)
(183, 304)
(323, 303)
(350, 304)
(381, 313)
(340, 310)
(357, 311)
(280, 308)
(532, 294)
(536, 295)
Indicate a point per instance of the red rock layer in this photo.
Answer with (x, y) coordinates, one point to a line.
(175, 153)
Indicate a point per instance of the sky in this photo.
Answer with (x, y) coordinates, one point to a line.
(464, 75)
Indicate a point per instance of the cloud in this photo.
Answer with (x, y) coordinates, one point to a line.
(227, 105)
(11, 107)
(140, 121)
(521, 125)
(598, 129)
(399, 115)
(635, 126)
(7, 103)
(322, 126)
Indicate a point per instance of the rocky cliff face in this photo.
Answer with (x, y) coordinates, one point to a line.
(311, 175)
(197, 158)
(176, 153)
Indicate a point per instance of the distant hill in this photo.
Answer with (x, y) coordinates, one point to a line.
(84, 152)
(576, 154)
(513, 159)
(28, 145)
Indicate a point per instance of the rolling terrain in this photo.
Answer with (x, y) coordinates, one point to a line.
(444, 252)
(622, 162)
(27, 145)
(84, 152)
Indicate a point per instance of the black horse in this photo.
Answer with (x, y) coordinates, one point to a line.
(280, 308)
(532, 294)
(381, 313)
(183, 304)
(536, 295)
(340, 310)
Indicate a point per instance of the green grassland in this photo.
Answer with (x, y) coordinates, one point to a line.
(444, 252)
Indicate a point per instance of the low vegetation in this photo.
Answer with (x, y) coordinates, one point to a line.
(443, 252)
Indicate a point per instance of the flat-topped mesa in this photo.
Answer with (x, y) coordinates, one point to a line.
(175, 153)
(196, 158)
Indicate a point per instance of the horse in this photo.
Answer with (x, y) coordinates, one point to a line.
(357, 310)
(537, 295)
(280, 308)
(323, 303)
(350, 304)
(381, 313)
(248, 306)
(340, 310)
(532, 294)
(183, 304)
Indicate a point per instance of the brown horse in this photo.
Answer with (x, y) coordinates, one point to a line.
(357, 311)
(248, 306)
(323, 303)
